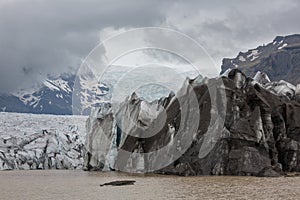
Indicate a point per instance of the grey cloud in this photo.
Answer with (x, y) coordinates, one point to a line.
(226, 28)
(49, 37)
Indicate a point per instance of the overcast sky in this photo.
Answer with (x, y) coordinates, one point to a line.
(40, 37)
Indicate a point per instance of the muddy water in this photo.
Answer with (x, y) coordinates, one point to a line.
(85, 185)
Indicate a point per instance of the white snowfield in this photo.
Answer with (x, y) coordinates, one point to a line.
(34, 141)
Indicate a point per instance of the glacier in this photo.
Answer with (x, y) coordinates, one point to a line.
(252, 130)
(258, 135)
(35, 141)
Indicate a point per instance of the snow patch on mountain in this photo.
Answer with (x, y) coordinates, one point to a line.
(282, 46)
(58, 84)
(241, 58)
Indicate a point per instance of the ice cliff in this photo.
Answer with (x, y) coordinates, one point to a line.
(229, 125)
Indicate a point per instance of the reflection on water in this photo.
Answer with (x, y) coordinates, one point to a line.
(85, 185)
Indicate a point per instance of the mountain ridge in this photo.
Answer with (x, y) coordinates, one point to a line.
(76, 94)
(54, 96)
(280, 59)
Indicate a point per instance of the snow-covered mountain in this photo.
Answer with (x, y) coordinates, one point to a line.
(53, 96)
(78, 93)
(280, 59)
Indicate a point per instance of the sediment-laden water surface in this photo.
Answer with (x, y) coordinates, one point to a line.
(60, 184)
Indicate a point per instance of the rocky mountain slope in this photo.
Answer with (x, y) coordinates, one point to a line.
(280, 59)
(246, 127)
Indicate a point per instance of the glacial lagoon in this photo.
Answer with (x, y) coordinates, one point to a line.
(77, 184)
